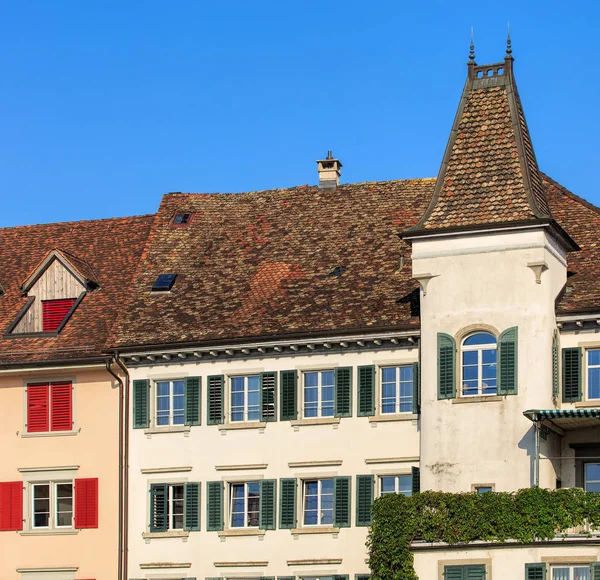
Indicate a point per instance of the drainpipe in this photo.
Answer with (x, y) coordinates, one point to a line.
(125, 458)
(536, 452)
(120, 381)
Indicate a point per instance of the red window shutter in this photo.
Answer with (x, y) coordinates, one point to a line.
(86, 503)
(54, 312)
(61, 411)
(37, 408)
(11, 506)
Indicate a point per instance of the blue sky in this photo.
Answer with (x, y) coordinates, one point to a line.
(106, 105)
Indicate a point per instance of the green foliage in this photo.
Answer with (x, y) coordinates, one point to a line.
(527, 515)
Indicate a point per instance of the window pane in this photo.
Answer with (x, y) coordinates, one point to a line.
(483, 489)
(311, 379)
(561, 574)
(480, 338)
(327, 486)
(405, 484)
(581, 573)
(470, 357)
(489, 356)
(327, 379)
(593, 357)
(388, 485)
(594, 383)
(178, 387)
(162, 389)
(388, 375)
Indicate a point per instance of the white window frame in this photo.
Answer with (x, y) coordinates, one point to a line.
(171, 504)
(245, 410)
(319, 389)
(587, 376)
(396, 477)
(246, 497)
(171, 397)
(398, 367)
(52, 504)
(479, 348)
(571, 568)
(320, 495)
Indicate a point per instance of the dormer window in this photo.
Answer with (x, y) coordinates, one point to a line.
(54, 312)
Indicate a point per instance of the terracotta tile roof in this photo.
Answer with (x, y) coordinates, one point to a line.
(109, 250)
(489, 173)
(287, 261)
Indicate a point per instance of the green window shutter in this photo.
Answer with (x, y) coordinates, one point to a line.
(416, 394)
(536, 572)
(364, 499)
(141, 404)
(446, 366)
(288, 395)
(366, 391)
(287, 503)
(214, 392)
(454, 573)
(267, 504)
(192, 400)
(362, 576)
(416, 480)
(267, 578)
(571, 373)
(191, 503)
(158, 507)
(475, 572)
(340, 577)
(508, 362)
(286, 577)
(341, 502)
(268, 390)
(595, 568)
(343, 392)
(214, 506)
(555, 376)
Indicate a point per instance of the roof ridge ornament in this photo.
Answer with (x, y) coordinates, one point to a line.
(508, 44)
(472, 49)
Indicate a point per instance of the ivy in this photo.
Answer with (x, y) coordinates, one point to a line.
(525, 516)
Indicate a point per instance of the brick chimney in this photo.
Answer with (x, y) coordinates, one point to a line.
(330, 170)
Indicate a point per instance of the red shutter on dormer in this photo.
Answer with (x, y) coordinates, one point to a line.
(86, 503)
(37, 408)
(54, 312)
(61, 415)
(11, 506)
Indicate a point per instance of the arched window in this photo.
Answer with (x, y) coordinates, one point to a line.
(478, 364)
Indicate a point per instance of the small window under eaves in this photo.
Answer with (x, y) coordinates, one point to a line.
(164, 282)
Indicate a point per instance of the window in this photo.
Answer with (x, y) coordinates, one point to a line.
(592, 477)
(182, 218)
(566, 572)
(52, 505)
(397, 389)
(54, 312)
(244, 504)
(49, 407)
(318, 503)
(593, 374)
(245, 398)
(483, 488)
(164, 282)
(167, 507)
(478, 367)
(319, 389)
(401, 484)
(170, 403)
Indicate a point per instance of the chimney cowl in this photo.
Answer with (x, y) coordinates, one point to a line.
(330, 170)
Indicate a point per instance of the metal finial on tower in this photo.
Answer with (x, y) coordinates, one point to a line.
(508, 43)
(472, 49)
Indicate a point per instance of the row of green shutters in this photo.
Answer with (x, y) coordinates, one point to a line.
(538, 571)
(288, 396)
(478, 572)
(288, 489)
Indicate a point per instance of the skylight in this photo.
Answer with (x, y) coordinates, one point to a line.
(164, 282)
(182, 218)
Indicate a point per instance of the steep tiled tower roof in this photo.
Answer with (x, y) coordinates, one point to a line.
(489, 174)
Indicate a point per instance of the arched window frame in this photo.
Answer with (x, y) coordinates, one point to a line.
(479, 348)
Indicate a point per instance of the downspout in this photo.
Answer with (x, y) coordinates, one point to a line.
(120, 526)
(125, 472)
(536, 452)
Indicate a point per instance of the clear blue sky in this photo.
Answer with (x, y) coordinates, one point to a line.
(107, 104)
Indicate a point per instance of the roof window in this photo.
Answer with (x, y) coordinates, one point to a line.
(164, 282)
(182, 218)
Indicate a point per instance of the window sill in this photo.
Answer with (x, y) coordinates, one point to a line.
(170, 534)
(594, 404)
(316, 421)
(51, 434)
(55, 532)
(315, 530)
(477, 399)
(241, 532)
(242, 425)
(393, 417)
(171, 429)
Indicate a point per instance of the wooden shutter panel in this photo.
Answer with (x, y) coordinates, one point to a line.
(555, 376)
(191, 503)
(141, 404)
(362, 576)
(364, 499)
(475, 572)
(508, 362)
(61, 406)
(446, 366)
(571, 373)
(267, 504)
(416, 394)
(38, 399)
(193, 400)
(537, 572)
(158, 507)
(11, 506)
(54, 312)
(366, 391)
(341, 502)
(595, 570)
(343, 392)
(86, 503)
(289, 395)
(340, 577)
(286, 577)
(416, 480)
(287, 503)
(268, 389)
(215, 399)
(214, 506)
(454, 573)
